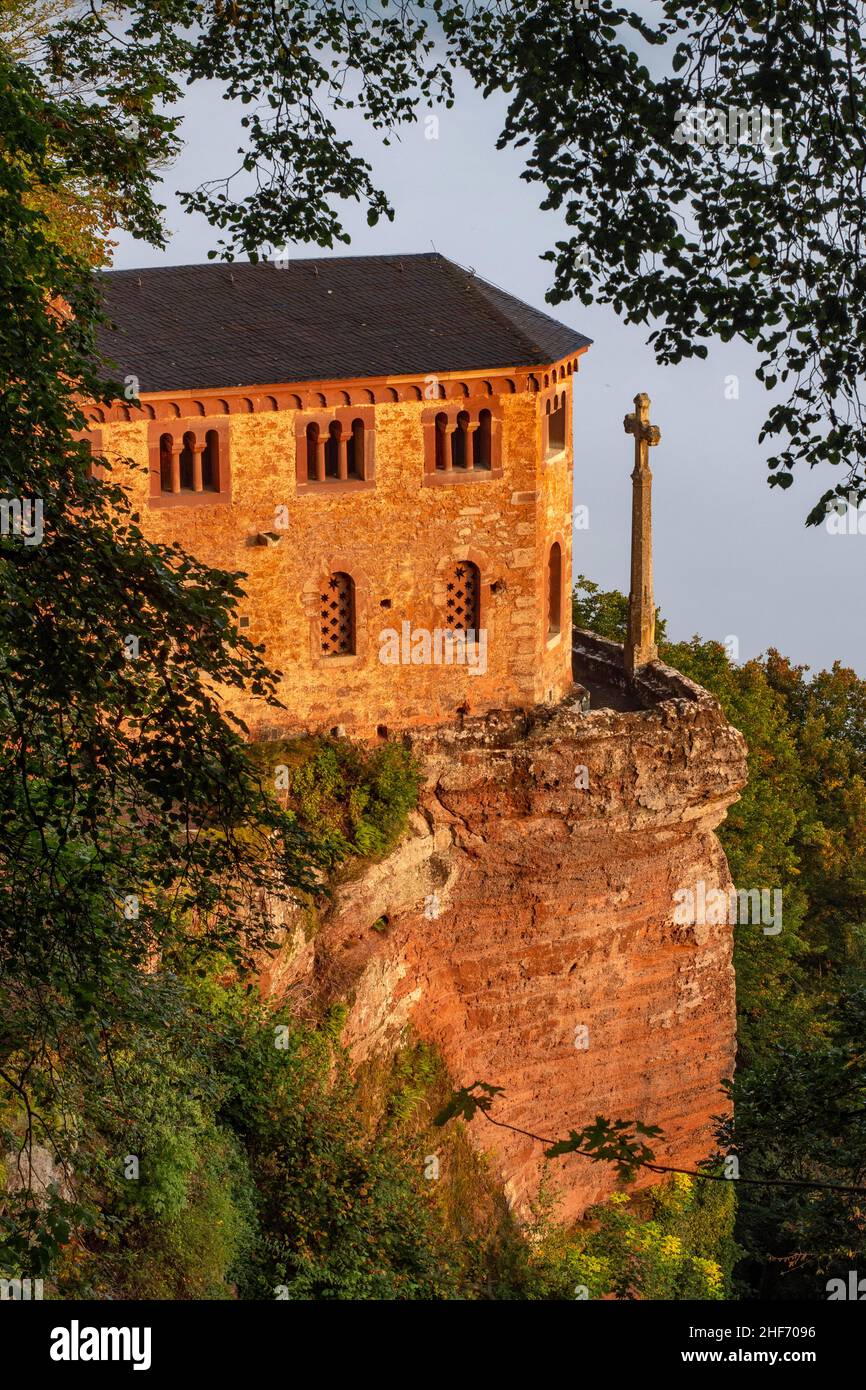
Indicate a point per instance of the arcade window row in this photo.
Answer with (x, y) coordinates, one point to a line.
(335, 450)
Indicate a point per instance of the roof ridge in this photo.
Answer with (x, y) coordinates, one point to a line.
(255, 265)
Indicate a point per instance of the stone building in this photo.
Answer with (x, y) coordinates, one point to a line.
(383, 445)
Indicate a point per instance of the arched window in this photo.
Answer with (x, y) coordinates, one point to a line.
(355, 451)
(481, 441)
(459, 436)
(336, 449)
(332, 450)
(189, 466)
(165, 443)
(186, 454)
(338, 616)
(312, 451)
(463, 598)
(554, 590)
(441, 440)
(555, 409)
(210, 462)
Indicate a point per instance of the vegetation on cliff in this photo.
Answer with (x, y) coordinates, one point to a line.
(800, 825)
(352, 802)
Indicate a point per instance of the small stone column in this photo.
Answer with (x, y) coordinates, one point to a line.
(469, 443)
(176, 451)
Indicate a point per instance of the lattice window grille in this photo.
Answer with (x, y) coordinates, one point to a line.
(338, 618)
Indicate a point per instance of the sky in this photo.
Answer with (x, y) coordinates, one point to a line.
(733, 558)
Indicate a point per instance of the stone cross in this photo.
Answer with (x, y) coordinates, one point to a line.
(640, 646)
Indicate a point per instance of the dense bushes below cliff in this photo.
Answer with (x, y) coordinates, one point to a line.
(239, 1156)
(266, 1170)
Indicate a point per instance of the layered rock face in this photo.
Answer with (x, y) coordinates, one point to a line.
(530, 928)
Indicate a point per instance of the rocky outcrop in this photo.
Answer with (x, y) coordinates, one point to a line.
(525, 925)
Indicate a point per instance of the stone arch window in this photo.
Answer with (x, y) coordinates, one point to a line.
(461, 444)
(554, 419)
(186, 462)
(338, 615)
(312, 438)
(189, 462)
(481, 441)
(463, 597)
(165, 448)
(93, 438)
(210, 462)
(554, 591)
(442, 443)
(335, 449)
(355, 446)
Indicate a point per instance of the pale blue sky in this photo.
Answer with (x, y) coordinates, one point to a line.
(732, 557)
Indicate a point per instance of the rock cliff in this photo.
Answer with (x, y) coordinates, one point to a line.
(525, 925)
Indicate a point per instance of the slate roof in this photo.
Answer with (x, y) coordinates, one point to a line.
(198, 327)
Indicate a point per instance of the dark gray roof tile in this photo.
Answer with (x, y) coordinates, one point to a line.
(202, 327)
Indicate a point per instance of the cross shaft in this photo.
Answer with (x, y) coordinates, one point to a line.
(640, 646)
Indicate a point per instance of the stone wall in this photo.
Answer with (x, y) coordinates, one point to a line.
(396, 538)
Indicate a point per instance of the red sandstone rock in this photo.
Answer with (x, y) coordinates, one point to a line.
(556, 909)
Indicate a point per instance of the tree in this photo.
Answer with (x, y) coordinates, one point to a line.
(710, 158)
(801, 1022)
(136, 833)
(712, 162)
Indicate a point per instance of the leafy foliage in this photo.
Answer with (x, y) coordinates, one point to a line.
(468, 1101)
(351, 801)
(673, 1242)
(258, 1176)
(801, 1075)
(135, 827)
(619, 1142)
(749, 233)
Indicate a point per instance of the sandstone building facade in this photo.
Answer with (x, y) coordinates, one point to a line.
(383, 445)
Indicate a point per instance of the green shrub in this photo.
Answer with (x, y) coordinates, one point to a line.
(674, 1241)
(352, 800)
